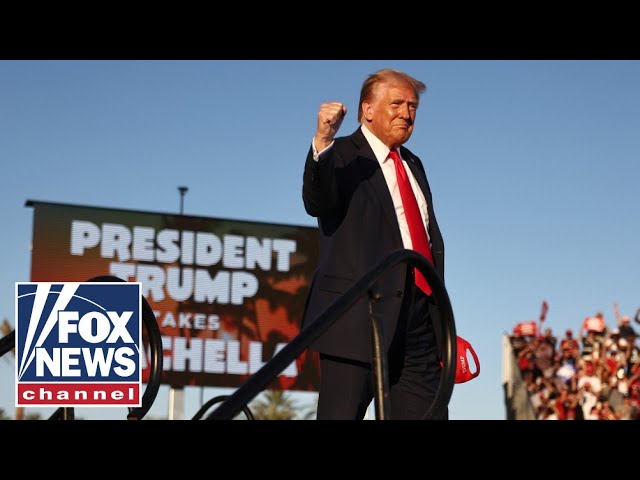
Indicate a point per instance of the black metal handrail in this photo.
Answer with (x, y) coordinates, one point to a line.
(380, 368)
(8, 342)
(63, 413)
(219, 399)
(260, 379)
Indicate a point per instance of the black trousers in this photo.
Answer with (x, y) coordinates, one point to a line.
(347, 386)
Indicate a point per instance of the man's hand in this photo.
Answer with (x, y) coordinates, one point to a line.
(330, 118)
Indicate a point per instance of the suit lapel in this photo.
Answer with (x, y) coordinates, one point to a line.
(417, 173)
(377, 181)
(422, 181)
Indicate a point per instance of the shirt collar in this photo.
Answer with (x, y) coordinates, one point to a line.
(380, 150)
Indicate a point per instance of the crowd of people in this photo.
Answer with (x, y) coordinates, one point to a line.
(594, 375)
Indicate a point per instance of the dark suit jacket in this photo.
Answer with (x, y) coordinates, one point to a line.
(347, 192)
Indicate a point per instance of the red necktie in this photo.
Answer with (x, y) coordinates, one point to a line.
(414, 219)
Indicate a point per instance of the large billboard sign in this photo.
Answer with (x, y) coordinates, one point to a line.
(227, 294)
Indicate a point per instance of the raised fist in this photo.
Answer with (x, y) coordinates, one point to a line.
(330, 118)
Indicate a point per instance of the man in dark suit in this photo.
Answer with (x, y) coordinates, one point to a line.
(351, 185)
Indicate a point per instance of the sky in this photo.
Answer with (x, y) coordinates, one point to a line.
(533, 165)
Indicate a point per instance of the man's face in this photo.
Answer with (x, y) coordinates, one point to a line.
(391, 112)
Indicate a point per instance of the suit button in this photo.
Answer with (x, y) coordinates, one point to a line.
(399, 293)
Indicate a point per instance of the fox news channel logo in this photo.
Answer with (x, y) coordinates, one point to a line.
(78, 344)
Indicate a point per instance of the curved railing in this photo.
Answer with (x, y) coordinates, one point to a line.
(261, 379)
(233, 404)
(8, 342)
(219, 399)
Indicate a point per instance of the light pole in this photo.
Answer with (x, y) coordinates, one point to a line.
(176, 394)
(183, 191)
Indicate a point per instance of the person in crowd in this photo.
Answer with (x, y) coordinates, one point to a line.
(624, 325)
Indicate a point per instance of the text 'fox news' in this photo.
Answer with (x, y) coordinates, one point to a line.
(78, 344)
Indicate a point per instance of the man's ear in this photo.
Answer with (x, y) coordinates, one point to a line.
(367, 111)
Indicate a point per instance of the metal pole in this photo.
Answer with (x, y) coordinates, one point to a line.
(380, 368)
(176, 394)
(182, 190)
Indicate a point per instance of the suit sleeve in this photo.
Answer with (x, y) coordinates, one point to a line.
(320, 191)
